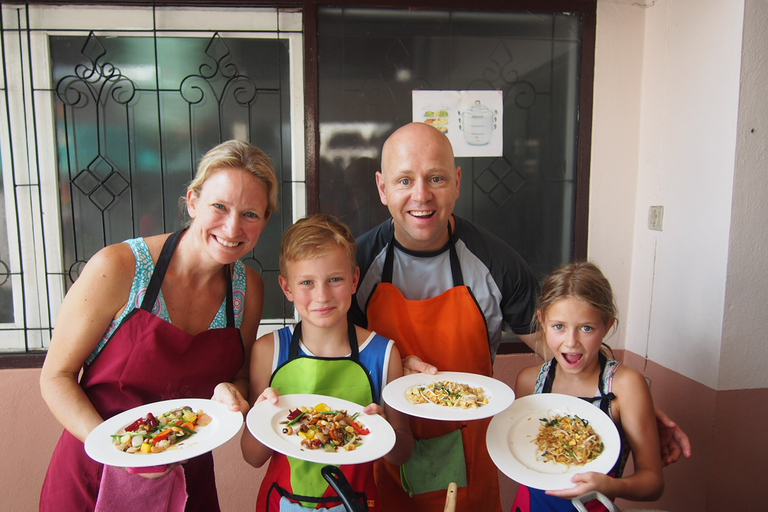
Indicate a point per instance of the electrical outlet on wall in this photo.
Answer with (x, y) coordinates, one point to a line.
(655, 217)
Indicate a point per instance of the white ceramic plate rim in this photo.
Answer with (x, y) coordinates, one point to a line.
(263, 421)
(225, 425)
(510, 435)
(501, 396)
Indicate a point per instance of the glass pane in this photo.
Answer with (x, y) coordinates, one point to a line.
(134, 116)
(6, 290)
(370, 61)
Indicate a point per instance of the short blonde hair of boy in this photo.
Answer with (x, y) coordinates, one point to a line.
(314, 237)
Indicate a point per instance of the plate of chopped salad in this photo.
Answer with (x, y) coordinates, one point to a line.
(162, 433)
(321, 429)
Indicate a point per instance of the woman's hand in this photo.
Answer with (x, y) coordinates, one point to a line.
(229, 395)
(414, 364)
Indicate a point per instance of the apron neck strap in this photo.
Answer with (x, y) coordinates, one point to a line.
(158, 275)
(293, 351)
(604, 398)
(161, 267)
(458, 277)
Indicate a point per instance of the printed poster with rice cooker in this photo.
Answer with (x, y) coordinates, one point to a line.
(472, 120)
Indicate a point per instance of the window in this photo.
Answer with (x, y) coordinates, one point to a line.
(372, 60)
(106, 112)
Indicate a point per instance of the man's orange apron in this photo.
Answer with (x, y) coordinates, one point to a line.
(448, 331)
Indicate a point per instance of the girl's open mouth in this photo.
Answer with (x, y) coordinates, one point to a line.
(572, 359)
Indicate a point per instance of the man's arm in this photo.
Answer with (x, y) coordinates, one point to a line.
(532, 341)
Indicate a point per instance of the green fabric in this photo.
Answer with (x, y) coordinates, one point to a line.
(435, 463)
(340, 378)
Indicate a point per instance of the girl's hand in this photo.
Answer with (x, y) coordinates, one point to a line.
(586, 482)
(228, 394)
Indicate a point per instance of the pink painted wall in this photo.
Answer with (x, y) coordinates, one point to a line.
(725, 473)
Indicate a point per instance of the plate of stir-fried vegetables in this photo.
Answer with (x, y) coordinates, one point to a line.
(162, 433)
(321, 429)
(542, 440)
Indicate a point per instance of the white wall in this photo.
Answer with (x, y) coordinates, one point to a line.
(615, 136)
(743, 359)
(688, 80)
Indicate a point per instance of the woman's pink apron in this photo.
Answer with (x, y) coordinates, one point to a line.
(146, 360)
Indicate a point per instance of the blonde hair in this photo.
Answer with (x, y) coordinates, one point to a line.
(316, 236)
(238, 154)
(583, 281)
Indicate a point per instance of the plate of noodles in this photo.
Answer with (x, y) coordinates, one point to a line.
(529, 442)
(448, 396)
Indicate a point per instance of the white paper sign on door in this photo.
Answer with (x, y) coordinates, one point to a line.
(472, 120)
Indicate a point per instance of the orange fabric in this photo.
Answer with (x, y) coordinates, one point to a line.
(449, 332)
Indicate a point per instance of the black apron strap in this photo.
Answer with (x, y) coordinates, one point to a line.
(604, 398)
(547, 388)
(458, 277)
(386, 271)
(156, 282)
(293, 350)
(229, 299)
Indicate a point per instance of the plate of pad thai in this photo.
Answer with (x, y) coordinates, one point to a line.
(448, 396)
(543, 440)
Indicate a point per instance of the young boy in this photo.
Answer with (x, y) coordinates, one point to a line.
(319, 274)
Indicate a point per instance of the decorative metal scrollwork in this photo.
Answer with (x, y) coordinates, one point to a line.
(99, 81)
(220, 79)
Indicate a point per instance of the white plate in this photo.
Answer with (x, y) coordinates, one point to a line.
(264, 419)
(510, 435)
(501, 396)
(225, 424)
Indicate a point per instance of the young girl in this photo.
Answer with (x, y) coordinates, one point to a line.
(575, 312)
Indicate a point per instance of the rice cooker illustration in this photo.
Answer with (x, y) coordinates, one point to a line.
(477, 123)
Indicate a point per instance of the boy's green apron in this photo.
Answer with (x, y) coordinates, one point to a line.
(302, 481)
